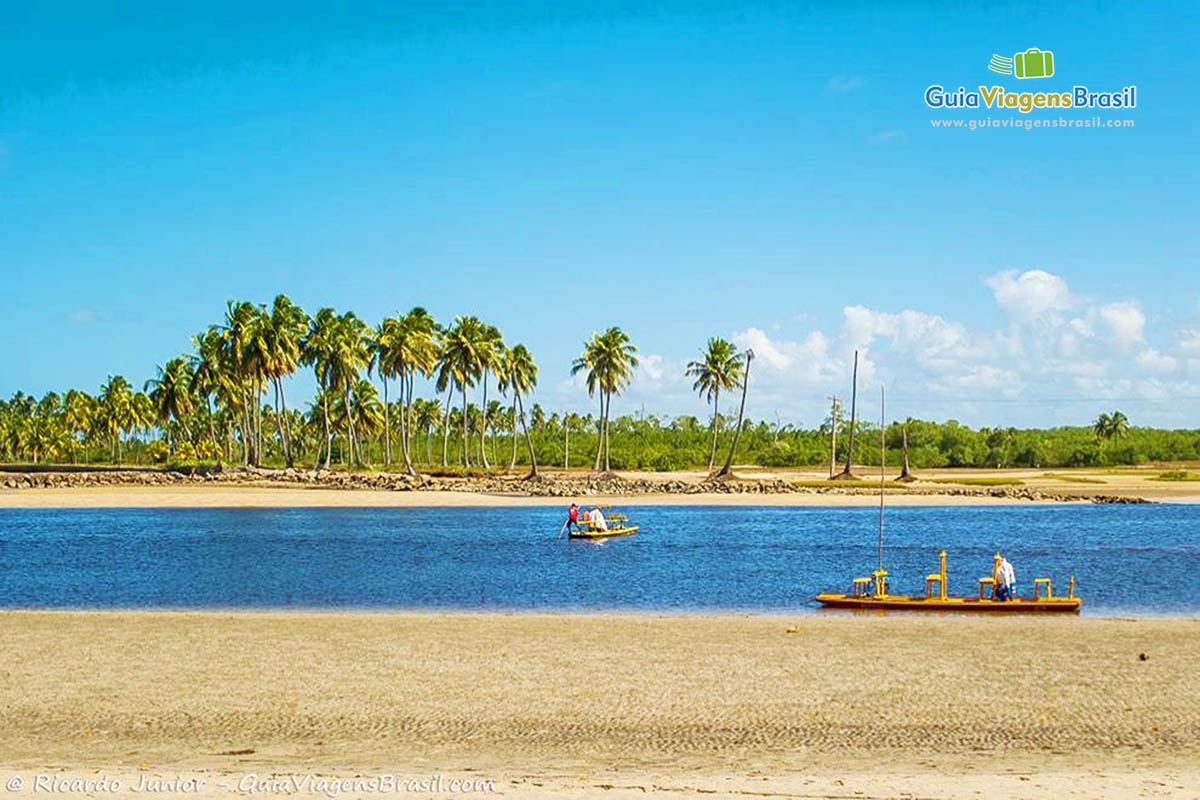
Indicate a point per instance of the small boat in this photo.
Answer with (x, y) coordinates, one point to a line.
(873, 592)
(597, 533)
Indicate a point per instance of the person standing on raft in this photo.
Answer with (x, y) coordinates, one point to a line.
(1006, 580)
(572, 518)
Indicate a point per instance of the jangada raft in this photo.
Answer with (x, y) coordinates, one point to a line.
(615, 524)
(590, 532)
(873, 592)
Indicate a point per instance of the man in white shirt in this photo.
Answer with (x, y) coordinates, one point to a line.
(1006, 580)
(598, 520)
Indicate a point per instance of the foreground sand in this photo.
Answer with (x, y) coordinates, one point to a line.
(608, 705)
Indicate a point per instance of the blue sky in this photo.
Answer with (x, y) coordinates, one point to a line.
(766, 172)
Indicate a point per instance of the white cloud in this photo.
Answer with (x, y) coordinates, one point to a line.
(1189, 342)
(767, 353)
(1031, 294)
(1125, 323)
(1155, 361)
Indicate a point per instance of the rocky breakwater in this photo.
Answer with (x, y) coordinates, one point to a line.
(606, 484)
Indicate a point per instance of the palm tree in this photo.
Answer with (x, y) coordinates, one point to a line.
(1110, 426)
(427, 415)
(720, 368)
(366, 412)
(348, 355)
(317, 351)
(727, 470)
(171, 394)
(284, 329)
(405, 347)
(460, 366)
(116, 405)
(383, 358)
(609, 360)
(571, 421)
(245, 342)
(520, 375)
(79, 410)
(207, 373)
(490, 353)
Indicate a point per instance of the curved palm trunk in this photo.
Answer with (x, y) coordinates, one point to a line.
(287, 425)
(466, 453)
(483, 427)
(566, 446)
(712, 451)
(353, 454)
(406, 428)
(328, 428)
(405, 422)
(607, 408)
(212, 429)
(533, 470)
(737, 434)
(446, 423)
(599, 434)
(512, 464)
(387, 422)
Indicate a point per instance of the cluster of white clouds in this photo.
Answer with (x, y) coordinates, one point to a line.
(1046, 355)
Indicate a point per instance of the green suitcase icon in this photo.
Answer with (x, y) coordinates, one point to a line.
(1033, 63)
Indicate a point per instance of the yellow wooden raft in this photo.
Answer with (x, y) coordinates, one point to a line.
(872, 593)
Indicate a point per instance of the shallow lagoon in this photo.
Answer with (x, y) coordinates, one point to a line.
(1129, 559)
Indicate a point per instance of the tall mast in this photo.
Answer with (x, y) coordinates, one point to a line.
(882, 459)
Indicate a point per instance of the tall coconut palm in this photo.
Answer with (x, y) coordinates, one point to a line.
(427, 415)
(459, 365)
(207, 374)
(284, 332)
(609, 359)
(719, 368)
(246, 343)
(317, 351)
(383, 358)
(405, 347)
(489, 350)
(727, 469)
(171, 394)
(520, 376)
(116, 405)
(79, 409)
(348, 356)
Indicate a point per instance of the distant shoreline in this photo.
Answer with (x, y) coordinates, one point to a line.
(243, 488)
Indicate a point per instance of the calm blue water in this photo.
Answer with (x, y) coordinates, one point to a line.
(1143, 559)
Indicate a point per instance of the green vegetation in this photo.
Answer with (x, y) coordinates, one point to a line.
(225, 403)
(982, 481)
(1176, 475)
(1071, 478)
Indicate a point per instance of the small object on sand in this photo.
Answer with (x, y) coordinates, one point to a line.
(794, 629)
(1143, 657)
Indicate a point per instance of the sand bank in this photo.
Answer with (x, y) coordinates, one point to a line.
(553, 705)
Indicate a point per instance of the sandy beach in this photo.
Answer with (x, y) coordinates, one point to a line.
(557, 705)
(937, 487)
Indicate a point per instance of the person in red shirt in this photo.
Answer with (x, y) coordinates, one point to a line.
(573, 517)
